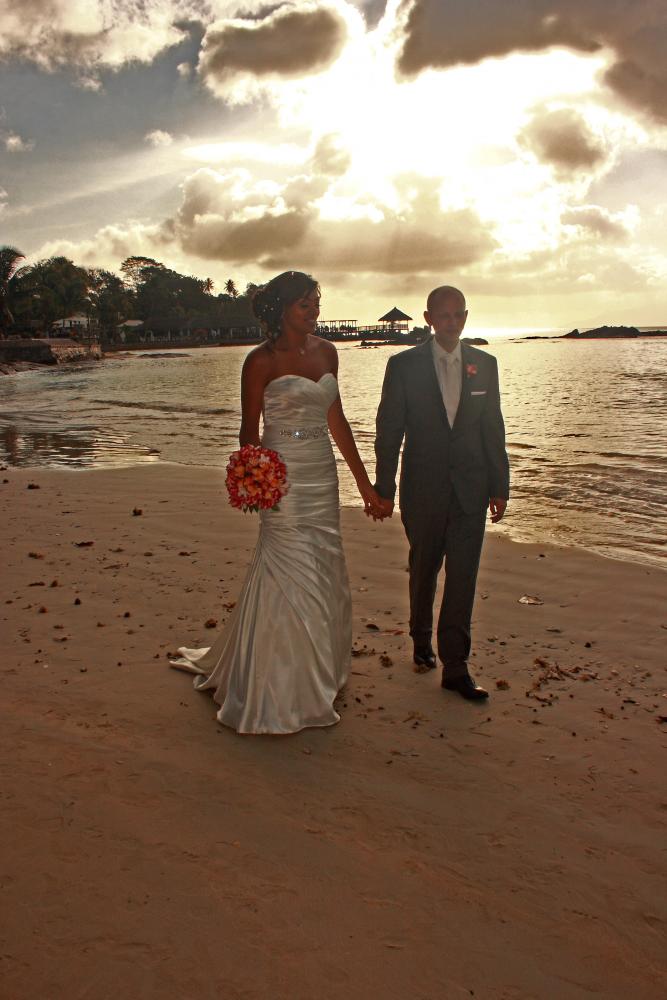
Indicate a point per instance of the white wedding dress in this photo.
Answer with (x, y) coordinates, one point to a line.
(285, 652)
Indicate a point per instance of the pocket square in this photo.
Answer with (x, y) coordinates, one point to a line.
(479, 392)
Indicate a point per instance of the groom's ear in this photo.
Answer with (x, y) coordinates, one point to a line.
(427, 317)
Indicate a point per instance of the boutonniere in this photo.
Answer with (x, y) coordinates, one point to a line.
(471, 370)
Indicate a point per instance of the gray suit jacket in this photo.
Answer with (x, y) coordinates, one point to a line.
(469, 458)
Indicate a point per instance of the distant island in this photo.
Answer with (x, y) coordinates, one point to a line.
(603, 333)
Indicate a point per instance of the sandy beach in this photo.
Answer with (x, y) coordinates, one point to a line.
(423, 849)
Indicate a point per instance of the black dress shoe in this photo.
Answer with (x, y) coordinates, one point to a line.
(424, 657)
(466, 687)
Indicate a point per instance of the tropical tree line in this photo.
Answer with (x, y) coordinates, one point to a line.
(34, 296)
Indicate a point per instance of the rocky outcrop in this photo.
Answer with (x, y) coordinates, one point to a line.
(20, 355)
(603, 333)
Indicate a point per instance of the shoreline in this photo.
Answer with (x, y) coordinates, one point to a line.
(515, 534)
(424, 846)
(166, 349)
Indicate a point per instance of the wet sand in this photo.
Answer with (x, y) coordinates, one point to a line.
(424, 848)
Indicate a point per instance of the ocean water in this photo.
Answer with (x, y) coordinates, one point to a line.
(586, 428)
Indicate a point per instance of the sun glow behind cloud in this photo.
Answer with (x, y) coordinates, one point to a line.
(437, 121)
(458, 127)
(485, 172)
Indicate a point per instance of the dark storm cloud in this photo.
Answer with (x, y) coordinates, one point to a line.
(295, 39)
(641, 85)
(446, 32)
(440, 33)
(563, 139)
(399, 245)
(388, 247)
(242, 242)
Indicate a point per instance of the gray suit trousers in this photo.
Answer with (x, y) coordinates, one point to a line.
(455, 538)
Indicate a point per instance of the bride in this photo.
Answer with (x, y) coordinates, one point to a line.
(285, 652)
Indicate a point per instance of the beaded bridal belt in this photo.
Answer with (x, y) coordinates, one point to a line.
(305, 433)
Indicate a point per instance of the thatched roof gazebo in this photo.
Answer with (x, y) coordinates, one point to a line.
(395, 319)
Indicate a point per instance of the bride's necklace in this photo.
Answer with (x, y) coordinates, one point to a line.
(299, 350)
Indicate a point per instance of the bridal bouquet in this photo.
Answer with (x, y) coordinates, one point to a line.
(256, 478)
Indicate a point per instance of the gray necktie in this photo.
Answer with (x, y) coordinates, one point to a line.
(452, 387)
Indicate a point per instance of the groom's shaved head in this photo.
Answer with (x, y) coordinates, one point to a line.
(444, 291)
(446, 314)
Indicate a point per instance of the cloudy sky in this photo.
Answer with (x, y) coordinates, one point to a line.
(516, 149)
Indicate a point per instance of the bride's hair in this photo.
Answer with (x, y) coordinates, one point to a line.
(269, 301)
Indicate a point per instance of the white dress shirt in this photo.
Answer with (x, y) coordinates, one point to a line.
(448, 368)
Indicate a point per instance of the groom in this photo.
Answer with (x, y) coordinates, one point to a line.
(443, 398)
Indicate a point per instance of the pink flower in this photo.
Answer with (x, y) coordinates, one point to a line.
(256, 478)
(471, 370)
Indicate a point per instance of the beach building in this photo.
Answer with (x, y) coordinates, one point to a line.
(69, 326)
(395, 320)
(129, 329)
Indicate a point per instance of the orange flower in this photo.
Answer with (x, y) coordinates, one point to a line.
(256, 478)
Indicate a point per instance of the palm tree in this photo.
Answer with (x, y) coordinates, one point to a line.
(231, 288)
(207, 285)
(9, 265)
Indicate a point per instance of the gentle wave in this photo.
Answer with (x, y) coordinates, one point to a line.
(576, 475)
(207, 411)
(647, 376)
(635, 457)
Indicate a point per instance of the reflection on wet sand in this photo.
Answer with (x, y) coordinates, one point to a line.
(86, 449)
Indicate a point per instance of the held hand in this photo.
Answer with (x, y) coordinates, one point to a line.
(497, 506)
(387, 508)
(373, 503)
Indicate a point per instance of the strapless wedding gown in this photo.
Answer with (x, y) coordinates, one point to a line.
(285, 652)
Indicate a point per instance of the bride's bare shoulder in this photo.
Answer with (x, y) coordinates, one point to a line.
(258, 362)
(328, 353)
